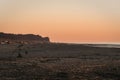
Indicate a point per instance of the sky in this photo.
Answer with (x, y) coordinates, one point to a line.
(93, 21)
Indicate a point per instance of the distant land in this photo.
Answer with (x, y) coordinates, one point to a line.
(24, 38)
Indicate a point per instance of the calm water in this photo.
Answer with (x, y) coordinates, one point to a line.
(105, 45)
(109, 45)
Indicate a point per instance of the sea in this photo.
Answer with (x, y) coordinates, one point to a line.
(109, 45)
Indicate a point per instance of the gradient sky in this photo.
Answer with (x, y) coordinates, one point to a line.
(63, 20)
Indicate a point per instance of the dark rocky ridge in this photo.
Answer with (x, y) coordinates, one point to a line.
(23, 37)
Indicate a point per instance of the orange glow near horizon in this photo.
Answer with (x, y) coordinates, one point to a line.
(65, 21)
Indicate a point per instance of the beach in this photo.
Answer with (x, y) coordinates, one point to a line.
(59, 61)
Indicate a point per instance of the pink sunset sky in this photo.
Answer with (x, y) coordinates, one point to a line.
(63, 20)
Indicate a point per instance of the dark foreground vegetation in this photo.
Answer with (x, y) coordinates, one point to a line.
(60, 62)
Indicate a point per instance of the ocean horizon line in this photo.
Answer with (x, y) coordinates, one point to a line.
(116, 43)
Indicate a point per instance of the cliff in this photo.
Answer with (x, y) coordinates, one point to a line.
(31, 38)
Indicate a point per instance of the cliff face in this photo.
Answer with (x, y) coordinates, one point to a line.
(31, 38)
